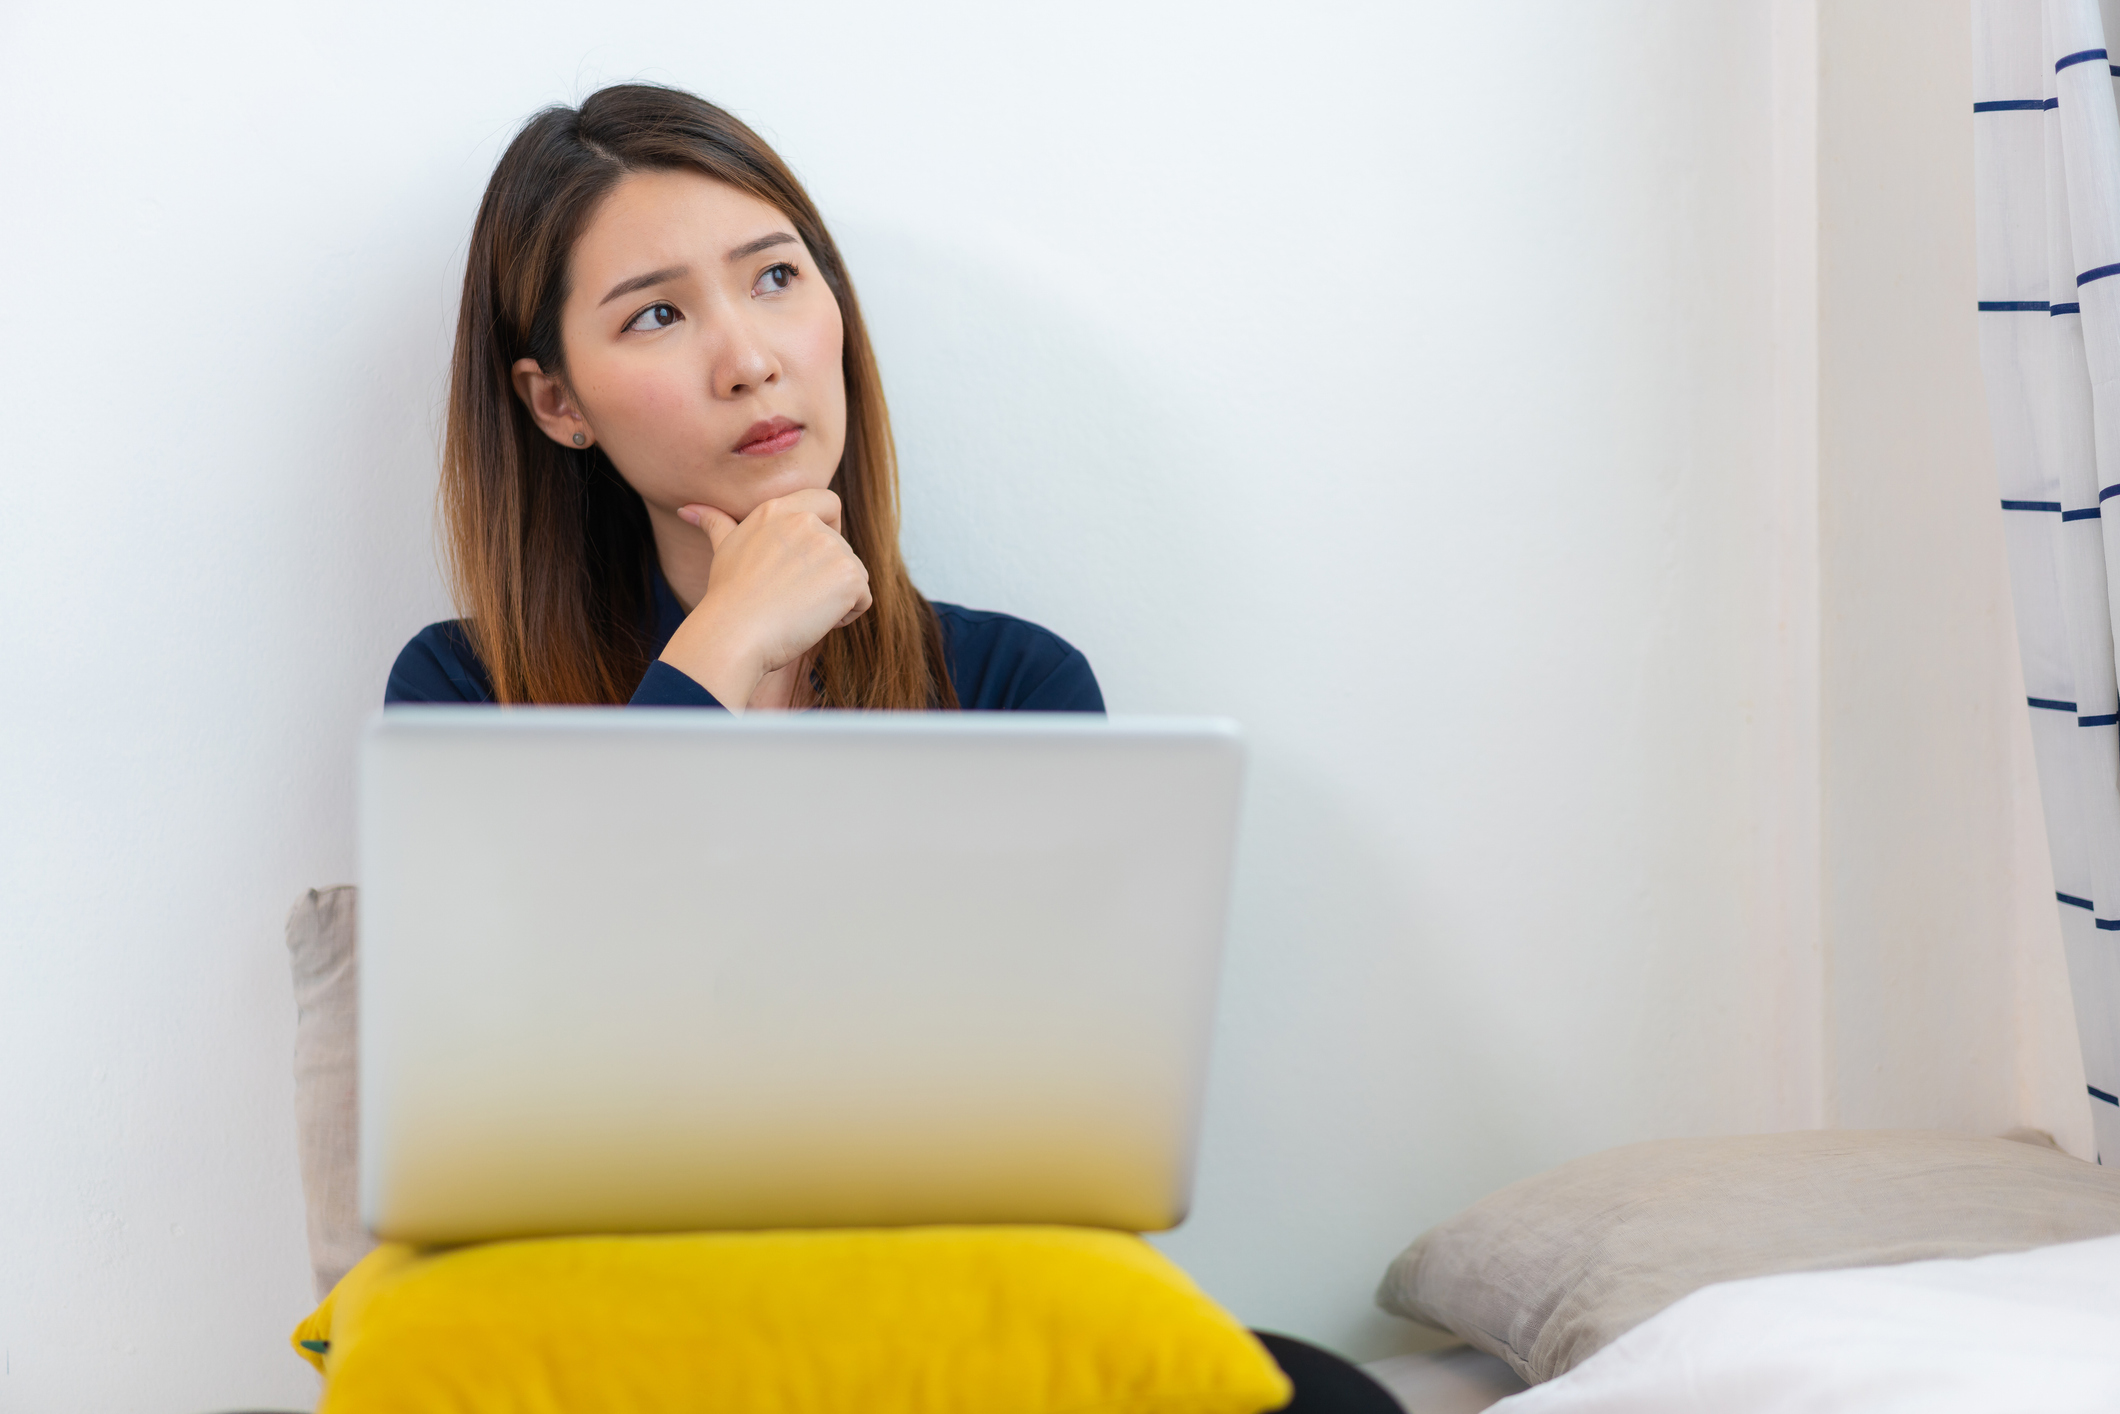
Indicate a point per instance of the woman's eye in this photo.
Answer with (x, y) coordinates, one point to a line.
(655, 316)
(776, 279)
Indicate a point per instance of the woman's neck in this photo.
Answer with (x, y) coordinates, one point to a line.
(685, 555)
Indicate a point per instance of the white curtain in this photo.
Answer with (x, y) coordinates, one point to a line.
(2047, 168)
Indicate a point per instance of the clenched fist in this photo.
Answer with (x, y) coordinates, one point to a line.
(782, 578)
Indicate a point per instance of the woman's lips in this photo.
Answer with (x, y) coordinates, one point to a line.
(769, 439)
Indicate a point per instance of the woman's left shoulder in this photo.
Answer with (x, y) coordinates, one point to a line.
(1000, 663)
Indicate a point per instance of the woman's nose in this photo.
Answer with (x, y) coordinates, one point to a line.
(746, 364)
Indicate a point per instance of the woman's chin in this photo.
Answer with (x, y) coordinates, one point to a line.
(737, 499)
(773, 478)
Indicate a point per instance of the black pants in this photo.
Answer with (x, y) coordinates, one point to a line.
(1325, 1384)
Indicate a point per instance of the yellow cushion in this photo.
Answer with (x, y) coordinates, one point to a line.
(985, 1320)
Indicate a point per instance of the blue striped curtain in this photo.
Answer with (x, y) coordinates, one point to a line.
(2046, 135)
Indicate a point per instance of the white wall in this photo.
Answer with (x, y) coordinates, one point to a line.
(1425, 386)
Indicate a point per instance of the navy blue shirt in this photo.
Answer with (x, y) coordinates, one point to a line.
(996, 663)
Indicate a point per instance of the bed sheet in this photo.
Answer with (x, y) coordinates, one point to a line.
(2014, 1332)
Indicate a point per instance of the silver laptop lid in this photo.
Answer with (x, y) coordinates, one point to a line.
(637, 970)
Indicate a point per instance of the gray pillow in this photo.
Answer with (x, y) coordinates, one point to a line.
(321, 931)
(1546, 1272)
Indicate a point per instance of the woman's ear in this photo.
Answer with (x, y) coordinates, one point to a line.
(549, 403)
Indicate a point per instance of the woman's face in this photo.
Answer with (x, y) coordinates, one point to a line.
(702, 349)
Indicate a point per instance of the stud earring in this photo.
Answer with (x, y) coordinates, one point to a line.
(580, 441)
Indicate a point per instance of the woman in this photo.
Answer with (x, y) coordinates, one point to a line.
(668, 477)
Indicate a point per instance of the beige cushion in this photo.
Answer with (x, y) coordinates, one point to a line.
(1546, 1272)
(320, 947)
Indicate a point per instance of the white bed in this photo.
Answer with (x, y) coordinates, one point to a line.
(2020, 1331)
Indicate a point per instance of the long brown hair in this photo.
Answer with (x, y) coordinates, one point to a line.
(550, 552)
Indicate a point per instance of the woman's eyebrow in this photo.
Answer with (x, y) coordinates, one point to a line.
(675, 272)
(762, 243)
(641, 282)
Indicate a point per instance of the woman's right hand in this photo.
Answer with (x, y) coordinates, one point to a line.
(782, 578)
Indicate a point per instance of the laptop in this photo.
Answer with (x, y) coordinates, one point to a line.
(640, 971)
